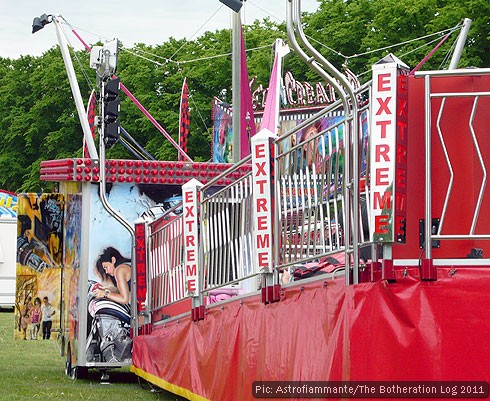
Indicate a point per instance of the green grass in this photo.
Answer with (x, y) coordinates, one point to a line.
(34, 370)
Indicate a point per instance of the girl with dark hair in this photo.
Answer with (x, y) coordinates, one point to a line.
(36, 315)
(113, 267)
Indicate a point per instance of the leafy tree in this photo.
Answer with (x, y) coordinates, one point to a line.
(367, 27)
(39, 120)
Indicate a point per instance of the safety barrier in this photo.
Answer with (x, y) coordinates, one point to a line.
(226, 228)
(166, 264)
(309, 186)
(310, 189)
(311, 183)
(308, 201)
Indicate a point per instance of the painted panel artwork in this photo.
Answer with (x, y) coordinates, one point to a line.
(71, 269)
(109, 274)
(39, 260)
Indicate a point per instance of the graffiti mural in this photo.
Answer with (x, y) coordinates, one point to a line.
(71, 267)
(39, 261)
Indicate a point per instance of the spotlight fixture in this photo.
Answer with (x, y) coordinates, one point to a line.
(235, 5)
(39, 22)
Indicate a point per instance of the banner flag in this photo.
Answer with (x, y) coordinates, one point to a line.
(185, 119)
(91, 111)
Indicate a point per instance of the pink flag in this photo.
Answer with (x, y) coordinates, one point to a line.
(247, 122)
(91, 111)
(270, 119)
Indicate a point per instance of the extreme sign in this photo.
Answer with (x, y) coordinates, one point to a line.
(389, 150)
(140, 260)
(262, 169)
(190, 198)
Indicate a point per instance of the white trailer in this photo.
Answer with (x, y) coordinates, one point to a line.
(8, 248)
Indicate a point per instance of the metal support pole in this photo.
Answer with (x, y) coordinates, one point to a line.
(70, 71)
(351, 156)
(458, 50)
(428, 172)
(236, 82)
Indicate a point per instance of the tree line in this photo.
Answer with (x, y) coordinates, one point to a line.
(38, 118)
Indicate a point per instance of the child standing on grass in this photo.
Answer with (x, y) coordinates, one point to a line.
(35, 318)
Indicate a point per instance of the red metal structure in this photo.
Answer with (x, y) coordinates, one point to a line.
(427, 322)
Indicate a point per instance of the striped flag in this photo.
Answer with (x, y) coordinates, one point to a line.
(91, 111)
(185, 119)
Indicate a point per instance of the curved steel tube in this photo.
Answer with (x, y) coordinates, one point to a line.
(120, 219)
(346, 92)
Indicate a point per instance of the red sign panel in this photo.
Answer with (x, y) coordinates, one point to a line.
(140, 236)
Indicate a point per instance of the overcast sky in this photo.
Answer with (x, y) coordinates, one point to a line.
(144, 21)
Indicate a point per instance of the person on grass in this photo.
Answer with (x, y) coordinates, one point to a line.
(35, 316)
(47, 318)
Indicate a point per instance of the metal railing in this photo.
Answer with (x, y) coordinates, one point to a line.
(434, 99)
(311, 184)
(309, 189)
(166, 261)
(309, 200)
(319, 205)
(226, 234)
